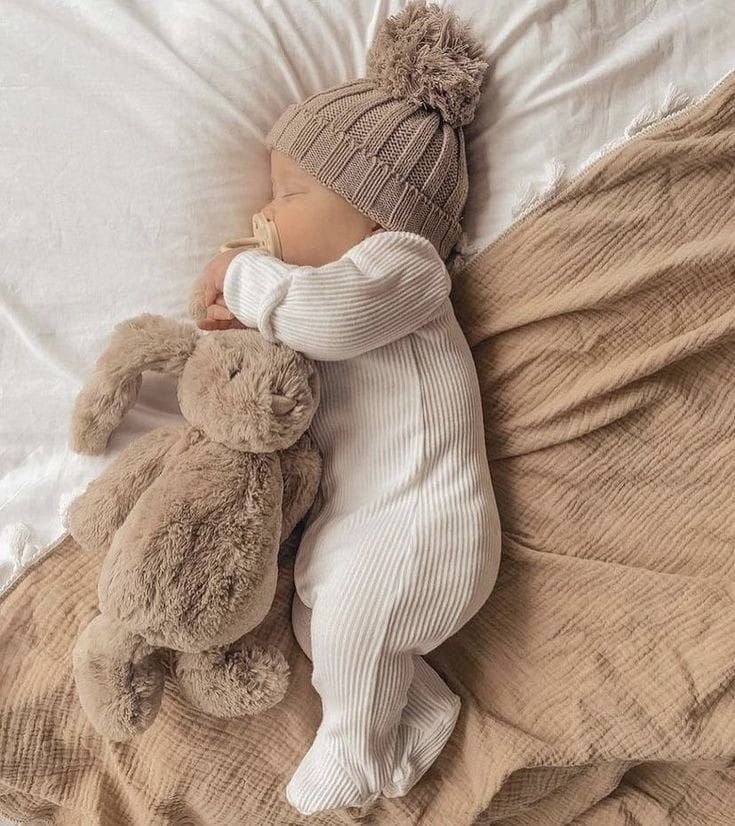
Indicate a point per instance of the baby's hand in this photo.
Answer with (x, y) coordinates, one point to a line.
(218, 316)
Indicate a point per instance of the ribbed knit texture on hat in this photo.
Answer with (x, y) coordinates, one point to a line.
(392, 143)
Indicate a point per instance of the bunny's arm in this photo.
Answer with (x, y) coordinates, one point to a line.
(301, 468)
(94, 516)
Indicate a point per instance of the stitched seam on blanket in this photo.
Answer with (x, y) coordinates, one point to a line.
(662, 124)
(39, 557)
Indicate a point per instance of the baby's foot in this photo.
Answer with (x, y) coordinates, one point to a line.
(419, 750)
(321, 783)
(426, 724)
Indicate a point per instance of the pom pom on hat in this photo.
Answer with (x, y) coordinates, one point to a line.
(428, 56)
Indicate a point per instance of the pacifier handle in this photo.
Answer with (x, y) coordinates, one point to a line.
(265, 236)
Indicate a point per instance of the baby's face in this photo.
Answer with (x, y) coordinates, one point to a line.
(315, 225)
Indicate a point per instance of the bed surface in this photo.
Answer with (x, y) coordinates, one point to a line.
(597, 681)
(133, 146)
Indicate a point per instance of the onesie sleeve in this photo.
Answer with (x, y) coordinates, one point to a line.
(384, 288)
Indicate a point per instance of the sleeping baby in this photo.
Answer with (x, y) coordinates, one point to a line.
(402, 546)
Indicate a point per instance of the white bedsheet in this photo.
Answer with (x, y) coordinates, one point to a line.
(132, 147)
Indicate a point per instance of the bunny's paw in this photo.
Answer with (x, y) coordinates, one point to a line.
(243, 678)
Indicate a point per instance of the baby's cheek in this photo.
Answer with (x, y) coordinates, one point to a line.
(302, 232)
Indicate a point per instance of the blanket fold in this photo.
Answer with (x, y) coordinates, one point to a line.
(598, 682)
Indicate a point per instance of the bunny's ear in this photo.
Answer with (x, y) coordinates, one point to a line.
(146, 342)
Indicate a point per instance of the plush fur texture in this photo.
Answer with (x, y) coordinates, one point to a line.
(208, 499)
(119, 678)
(191, 519)
(225, 391)
(242, 678)
(147, 342)
(427, 55)
(94, 517)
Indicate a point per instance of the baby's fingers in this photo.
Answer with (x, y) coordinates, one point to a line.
(214, 324)
(210, 293)
(219, 311)
(219, 318)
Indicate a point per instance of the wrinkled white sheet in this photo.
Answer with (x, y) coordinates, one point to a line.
(132, 147)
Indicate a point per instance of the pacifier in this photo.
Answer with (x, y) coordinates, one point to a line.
(265, 237)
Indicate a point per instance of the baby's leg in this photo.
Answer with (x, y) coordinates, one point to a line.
(370, 619)
(301, 624)
(427, 720)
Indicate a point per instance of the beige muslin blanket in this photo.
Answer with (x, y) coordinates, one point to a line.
(598, 683)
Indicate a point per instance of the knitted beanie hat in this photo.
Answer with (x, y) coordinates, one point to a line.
(392, 143)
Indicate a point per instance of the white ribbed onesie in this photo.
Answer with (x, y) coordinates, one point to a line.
(402, 546)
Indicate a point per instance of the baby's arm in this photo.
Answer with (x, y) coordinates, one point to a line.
(376, 293)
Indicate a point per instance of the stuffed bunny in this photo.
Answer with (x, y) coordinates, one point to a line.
(190, 518)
